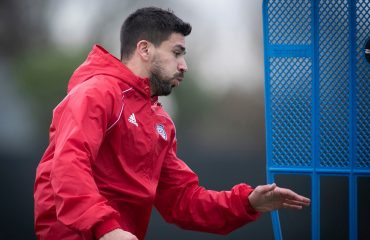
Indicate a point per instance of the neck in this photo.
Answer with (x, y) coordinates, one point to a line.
(137, 68)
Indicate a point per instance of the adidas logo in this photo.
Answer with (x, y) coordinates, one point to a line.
(132, 120)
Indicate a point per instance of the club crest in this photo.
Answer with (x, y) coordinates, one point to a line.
(161, 131)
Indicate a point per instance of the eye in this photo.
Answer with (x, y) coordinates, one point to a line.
(177, 53)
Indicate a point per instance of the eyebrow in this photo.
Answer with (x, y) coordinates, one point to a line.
(181, 48)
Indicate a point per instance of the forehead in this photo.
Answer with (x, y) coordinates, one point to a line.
(175, 39)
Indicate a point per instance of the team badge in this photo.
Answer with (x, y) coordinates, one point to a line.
(161, 131)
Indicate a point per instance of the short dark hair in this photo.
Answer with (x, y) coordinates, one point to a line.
(152, 24)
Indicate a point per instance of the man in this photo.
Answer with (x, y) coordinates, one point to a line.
(112, 151)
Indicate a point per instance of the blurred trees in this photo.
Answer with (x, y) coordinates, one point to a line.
(43, 76)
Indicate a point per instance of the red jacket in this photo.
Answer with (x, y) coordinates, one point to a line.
(112, 156)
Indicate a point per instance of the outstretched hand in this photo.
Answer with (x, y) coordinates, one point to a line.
(118, 234)
(266, 198)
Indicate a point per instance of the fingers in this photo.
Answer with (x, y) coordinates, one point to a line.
(305, 201)
(289, 194)
(295, 203)
(292, 206)
(292, 200)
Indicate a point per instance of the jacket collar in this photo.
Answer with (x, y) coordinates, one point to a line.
(140, 84)
(101, 62)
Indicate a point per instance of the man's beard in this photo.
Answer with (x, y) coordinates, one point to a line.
(161, 85)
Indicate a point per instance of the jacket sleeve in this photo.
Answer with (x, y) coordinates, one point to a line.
(83, 117)
(182, 201)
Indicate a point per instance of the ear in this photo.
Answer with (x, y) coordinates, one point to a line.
(143, 48)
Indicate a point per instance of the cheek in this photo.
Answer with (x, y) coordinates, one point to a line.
(170, 66)
(169, 59)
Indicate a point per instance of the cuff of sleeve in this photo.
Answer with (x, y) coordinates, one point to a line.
(251, 209)
(102, 228)
(248, 206)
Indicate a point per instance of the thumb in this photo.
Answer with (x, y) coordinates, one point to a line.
(268, 188)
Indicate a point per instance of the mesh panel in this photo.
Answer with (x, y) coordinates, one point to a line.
(291, 93)
(363, 85)
(334, 71)
(341, 82)
(289, 22)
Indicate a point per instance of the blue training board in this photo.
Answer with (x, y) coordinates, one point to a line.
(317, 95)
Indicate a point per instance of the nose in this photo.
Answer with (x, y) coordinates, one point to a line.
(182, 66)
